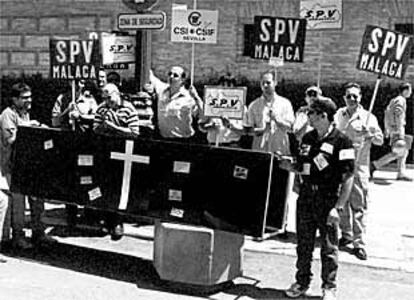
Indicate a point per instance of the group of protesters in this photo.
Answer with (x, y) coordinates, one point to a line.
(328, 149)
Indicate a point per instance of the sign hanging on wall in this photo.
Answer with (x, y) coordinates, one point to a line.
(147, 21)
(322, 14)
(224, 101)
(74, 59)
(194, 26)
(385, 52)
(279, 37)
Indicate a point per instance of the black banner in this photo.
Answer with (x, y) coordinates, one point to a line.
(279, 37)
(228, 189)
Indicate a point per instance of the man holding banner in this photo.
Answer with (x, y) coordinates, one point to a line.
(269, 118)
(352, 121)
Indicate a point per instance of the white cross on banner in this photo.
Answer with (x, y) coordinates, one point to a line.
(128, 157)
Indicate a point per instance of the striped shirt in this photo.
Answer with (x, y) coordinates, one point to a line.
(124, 116)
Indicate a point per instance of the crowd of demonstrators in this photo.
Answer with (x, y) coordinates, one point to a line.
(270, 118)
(362, 128)
(400, 142)
(17, 114)
(326, 163)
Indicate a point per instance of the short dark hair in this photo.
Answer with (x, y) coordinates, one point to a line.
(19, 88)
(352, 85)
(268, 72)
(113, 77)
(404, 86)
(324, 105)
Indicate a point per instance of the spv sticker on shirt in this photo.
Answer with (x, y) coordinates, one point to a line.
(175, 195)
(306, 169)
(320, 161)
(240, 172)
(182, 167)
(328, 148)
(48, 144)
(84, 180)
(345, 154)
(176, 212)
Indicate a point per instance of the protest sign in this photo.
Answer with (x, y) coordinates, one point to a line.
(322, 14)
(74, 59)
(194, 26)
(117, 49)
(384, 52)
(224, 101)
(147, 21)
(279, 37)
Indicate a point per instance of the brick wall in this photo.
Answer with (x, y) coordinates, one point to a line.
(26, 26)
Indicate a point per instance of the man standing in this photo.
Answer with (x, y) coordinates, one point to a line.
(326, 162)
(176, 105)
(13, 116)
(395, 120)
(352, 121)
(269, 118)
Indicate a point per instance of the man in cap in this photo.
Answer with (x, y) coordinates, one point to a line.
(326, 162)
(362, 128)
(395, 121)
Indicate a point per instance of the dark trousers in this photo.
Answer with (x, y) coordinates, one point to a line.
(312, 211)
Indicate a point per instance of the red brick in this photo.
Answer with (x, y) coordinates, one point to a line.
(36, 41)
(24, 24)
(53, 24)
(4, 24)
(10, 41)
(23, 58)
(44, 59)
(82, 24)
(4, 58)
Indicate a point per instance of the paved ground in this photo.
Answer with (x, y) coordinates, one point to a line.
(87, 267)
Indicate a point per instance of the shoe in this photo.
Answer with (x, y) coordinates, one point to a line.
(372, 169)
(329, 294)
(21, 244)
(404, 178)
(360, 253)
(296, 290)
(117, 232)
(43, 239)
(343, 242)
(2, 259)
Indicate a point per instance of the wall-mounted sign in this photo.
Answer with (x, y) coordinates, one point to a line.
(147, 21)
(224, 101)
(117, 49)
(385, 52)
(279, 37)
(74, 59)
(194, 26)
(322, 14)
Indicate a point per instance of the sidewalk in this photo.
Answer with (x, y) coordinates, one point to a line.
(390, 227)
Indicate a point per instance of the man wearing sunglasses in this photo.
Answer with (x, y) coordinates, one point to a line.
(352, 121)
(177, 105)
(394, 121)
(326, 163)
(13, 116)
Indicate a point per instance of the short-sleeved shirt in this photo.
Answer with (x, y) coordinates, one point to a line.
(395, 116)
(277, 140)
(10, 119)
(175, 112)
(326, 161)
(351, 126)
(124, 116)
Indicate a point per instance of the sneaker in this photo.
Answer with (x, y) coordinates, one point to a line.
(21, 244)
(329, 294)
(360, 253)
(2, 259)
(404, 178)
(343, 242)
(296, 290)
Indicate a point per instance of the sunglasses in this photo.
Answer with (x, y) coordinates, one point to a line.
(26, 97)
(311, 94)
(175, 75)
(351, 96)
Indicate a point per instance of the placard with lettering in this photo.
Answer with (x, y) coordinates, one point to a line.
(384, 52)
(74, 59)
(279, 37)
(224, 101)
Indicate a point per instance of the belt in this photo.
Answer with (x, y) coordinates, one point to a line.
(228, 144)
(320, 187)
